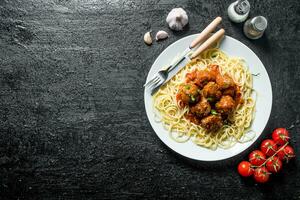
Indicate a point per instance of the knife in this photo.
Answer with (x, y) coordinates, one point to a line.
(193, 54)
(199, 39)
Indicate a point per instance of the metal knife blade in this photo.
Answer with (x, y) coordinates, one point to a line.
(174, 70)
(180, 63)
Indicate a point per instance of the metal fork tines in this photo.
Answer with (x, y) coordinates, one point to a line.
(158, 80)
(161, 76)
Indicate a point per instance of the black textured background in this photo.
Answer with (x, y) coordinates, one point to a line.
(72, 118)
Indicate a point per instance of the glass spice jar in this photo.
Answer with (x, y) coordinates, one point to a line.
(238, 11)
(255, 27)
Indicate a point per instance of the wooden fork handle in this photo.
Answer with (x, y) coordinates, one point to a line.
(205, 33)
(216, 36)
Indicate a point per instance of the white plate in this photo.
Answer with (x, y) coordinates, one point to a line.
(261, 84)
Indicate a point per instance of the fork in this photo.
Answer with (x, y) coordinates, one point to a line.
(161, 76)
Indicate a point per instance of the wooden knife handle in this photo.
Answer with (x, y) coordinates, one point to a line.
(216, 36)
(205, 33)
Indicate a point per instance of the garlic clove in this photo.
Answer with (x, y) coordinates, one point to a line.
(147, 38)
(160, 35)
(177, 19)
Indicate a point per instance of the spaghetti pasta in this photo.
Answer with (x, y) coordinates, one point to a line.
(182, 129)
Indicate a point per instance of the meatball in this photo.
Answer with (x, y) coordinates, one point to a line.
(200, 78)
(214, 70)
(229, 91)
(190, 77)
(238, 96)
(235, 93)
(225, 105)
(194, 119)
(225, 81)
(201, 109)
(212, 122)
(211, 90)
(188, 93)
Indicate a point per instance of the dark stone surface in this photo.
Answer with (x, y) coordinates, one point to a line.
(72, 118)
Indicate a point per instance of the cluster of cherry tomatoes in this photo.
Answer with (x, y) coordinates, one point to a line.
(269, 158)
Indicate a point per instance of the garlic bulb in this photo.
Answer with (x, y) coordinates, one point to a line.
(177, 19)
(160, 35)
(147, 38)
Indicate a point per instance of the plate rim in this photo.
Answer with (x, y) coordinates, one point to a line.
(239, 151)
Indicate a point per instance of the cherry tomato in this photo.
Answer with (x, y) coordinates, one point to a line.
(268, 147)
(280, 136)
(274, 164)
(257, 158)
(286, 154)
(261, 175)
(245, 169)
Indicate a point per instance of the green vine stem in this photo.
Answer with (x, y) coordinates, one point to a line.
(271, 156)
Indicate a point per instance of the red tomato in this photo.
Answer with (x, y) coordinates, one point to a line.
(257, 158)
(268, 147)
(286, 154)
(261, 175)
(280, 136)
(274, 165)
(245, 169)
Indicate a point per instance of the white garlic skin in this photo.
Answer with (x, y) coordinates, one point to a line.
(177, 19)
(147, 38)
(160, 35)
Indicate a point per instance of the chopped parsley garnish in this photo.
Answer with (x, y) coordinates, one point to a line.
(213, 112)
(209, 99)
(187, 87)
(193, 98)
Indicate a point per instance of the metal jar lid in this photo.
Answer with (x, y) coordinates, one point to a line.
(242, 7)
(260, 23)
